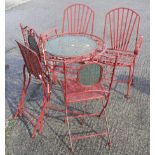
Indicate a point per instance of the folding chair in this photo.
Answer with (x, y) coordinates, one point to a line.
(33, 66)
(31, 39)
(80, 92)
(121, 30)
(35, 42)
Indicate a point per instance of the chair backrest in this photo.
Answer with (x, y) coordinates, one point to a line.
(31, 39)
(78, 18)
(121, 29)
(31, 61)
(92, 73)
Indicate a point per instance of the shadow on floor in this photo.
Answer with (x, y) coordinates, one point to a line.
(141, 84)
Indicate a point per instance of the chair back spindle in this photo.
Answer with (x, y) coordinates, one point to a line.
(78, 18)
(121, 29)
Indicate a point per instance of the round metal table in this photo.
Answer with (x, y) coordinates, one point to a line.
(68, 46)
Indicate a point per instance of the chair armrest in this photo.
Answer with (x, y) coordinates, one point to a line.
(51, 33)
(53, 30)
(138, 45)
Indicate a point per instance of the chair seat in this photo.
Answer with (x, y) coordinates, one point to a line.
(76, 92)
(125, 58)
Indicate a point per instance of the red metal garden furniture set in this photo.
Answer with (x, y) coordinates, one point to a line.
(75, 52)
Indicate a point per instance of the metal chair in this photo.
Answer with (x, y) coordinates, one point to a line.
(33, 66)
(31, 39)
(121, 30)
(81, 89)
(78, 18)
(34, 42)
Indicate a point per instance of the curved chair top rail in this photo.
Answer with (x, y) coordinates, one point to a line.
(78, 18)
(122, 27)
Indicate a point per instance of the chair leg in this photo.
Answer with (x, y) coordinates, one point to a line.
(129, 82)
(69, 132)
(40, 120)
(133, 67)
(39, 123)
(105, 132)
(48, 98)
(41, 116)
(85, 109)
(104, 107)
(20, 107)
(107, 128)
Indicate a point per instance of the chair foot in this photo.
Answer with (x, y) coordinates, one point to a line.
(33, 136)
(127, 96)
(81, 121)
(46, 114)
(109, 144)
(14, 117)
(65, 121)
(71, 150)
(34, 133)
(99, 115)
(16, 114)
(132, 83)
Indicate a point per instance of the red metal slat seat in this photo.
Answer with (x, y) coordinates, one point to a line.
(124, 59)
(77, 92)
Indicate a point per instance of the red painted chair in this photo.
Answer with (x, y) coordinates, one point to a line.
(121, 31)
(34, 42)
(80, 88)
(31, 39)
(33, 66)
(78, 18)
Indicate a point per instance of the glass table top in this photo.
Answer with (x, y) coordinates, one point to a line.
(70, 46)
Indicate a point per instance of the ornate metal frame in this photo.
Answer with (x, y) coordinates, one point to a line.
(121, 28)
